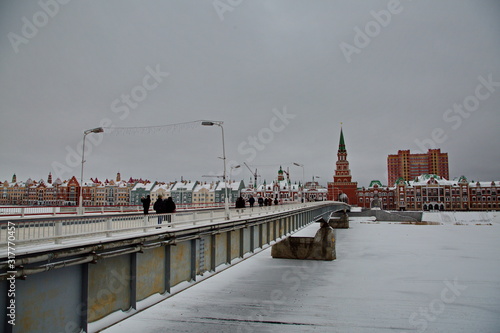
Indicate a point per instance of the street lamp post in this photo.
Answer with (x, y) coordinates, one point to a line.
(231, 177)
(231, 171)
(226, 202)
(85, 133)
(302, 166)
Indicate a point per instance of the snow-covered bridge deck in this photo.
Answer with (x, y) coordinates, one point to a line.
(388, 277)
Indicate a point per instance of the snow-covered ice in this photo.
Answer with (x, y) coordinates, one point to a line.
(388, 277)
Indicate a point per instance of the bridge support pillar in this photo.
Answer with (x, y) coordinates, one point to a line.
(319, 247)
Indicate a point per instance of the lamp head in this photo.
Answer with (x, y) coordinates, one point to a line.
(211, 123)
(94, 130)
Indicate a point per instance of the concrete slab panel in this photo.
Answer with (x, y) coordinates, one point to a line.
(235, 244)
(220, 252)
(54, 306)
(150, 272)
(109, 287)
(181, 266)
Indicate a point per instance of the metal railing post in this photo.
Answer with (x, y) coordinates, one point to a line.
(58, 231)
(109, 226)
(145, 223)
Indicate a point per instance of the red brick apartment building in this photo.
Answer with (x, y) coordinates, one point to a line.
(409, 166)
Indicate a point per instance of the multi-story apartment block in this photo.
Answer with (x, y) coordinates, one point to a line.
(408, 166)
(182, 192)
(233, 190)
(484, 195)
(141, 190)
(163, 189)
(204, 194)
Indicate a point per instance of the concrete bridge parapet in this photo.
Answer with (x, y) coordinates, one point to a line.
(75, 288)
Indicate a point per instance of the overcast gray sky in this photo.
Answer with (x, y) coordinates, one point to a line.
(281, 75)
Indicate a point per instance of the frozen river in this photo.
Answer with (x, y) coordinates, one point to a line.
(388, 277)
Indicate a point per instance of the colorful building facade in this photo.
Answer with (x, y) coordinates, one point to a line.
(432, 192)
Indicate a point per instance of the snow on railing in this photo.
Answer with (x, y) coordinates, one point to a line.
(30, 211)
(62, 228)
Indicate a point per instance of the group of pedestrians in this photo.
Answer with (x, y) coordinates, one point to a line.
(267, 201)
(161, 206)
(240, 202)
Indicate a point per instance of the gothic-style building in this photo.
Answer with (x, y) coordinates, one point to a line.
(342, 188)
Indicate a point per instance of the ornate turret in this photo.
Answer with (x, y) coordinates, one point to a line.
(342, 188)
(342, 171)
(280, 174)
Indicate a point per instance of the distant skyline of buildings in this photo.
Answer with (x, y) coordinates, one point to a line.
(420, 183)
(121, 192)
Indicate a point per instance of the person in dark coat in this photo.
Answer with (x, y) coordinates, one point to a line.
(260, 201)
(159, 208)
(240, 202)
(169, 208)
(169, 205)
(251, 201)
(146, 202)
(276, 201)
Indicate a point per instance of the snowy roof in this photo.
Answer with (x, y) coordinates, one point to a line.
(485, 184)
(146, 187)
(320, 190)
(234, 185)
(208, 186)
(376, 182)
(427, 179)
(184, 185)
(164, 187)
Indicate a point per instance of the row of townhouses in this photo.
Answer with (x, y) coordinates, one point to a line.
(118, 192)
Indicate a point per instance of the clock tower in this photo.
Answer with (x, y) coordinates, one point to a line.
(342, 188)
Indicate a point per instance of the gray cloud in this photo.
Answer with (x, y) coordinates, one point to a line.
(263, 55)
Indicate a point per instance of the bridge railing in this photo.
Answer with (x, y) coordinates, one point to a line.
(31, 211)
(60, 229)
